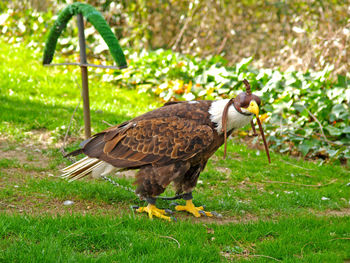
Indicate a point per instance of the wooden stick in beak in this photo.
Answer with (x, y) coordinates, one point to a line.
(263, 137)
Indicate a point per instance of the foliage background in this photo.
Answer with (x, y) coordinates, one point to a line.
(299, 34)
(295, 53)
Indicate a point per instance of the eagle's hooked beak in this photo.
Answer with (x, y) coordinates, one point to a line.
(253, 108)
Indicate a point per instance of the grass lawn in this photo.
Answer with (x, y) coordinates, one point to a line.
(290, 211)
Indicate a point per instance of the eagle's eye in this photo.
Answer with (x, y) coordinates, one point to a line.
(245, 104)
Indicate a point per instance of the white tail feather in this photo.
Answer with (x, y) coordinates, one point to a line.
(74, 164)
(85, 167)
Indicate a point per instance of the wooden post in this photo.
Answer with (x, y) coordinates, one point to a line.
(84, 76)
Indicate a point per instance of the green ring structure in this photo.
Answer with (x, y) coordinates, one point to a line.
(96, 19)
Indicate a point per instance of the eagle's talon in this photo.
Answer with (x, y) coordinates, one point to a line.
(152, 210)
(135, 207)
(208, 214)
(174, 204)
(168, 211)
(196, 211)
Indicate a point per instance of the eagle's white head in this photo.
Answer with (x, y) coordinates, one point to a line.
(240, 112)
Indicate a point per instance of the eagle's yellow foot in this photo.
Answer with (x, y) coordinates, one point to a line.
(189, 207)
(152, 210)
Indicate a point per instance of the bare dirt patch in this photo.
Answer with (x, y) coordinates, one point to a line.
(40, 138)
(223, 170)
(25, 155)
(329, 212)
(41, 204)
(20, 176)
(248, 217)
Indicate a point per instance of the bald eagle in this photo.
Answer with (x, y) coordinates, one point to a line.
(170, 144)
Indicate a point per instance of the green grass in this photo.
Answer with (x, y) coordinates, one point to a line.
(37, 97)
(76, 238)
(291, 210)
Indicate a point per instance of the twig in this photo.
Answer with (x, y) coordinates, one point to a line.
(337, 238)
(107, 123)
(183, 29)
(178, 244)
(265, 257)
(297, 165)
(308, 243)
(318, 122)
(302, 249)
(253, 255)
(253, 128)
(306, 185)
(222, 45)
(69, 125)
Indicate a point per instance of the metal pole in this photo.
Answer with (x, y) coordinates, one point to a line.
(84, 76)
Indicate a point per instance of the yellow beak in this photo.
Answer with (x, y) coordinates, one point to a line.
(253, 108)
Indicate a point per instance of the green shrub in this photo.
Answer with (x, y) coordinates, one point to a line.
(308, 112)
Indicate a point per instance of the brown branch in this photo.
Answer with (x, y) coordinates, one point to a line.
(222, 45)
(306, 185)
(264, 140)
(253, 128)
(183, 29)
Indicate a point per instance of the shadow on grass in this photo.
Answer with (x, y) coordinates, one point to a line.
(31, 114)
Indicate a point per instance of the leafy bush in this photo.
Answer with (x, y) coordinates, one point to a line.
(308, 112)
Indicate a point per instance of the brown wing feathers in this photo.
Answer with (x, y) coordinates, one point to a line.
(110, 145)
(113, 136)
(151, 141)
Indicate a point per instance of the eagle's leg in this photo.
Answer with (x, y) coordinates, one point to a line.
(191, 208)
(152, 210)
